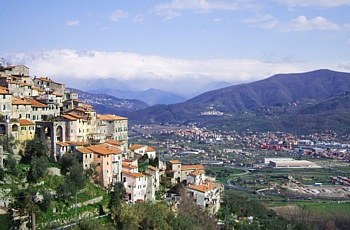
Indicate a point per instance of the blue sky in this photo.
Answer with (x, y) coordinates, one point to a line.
(171, 41)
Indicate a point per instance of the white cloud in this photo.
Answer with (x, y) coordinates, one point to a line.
(171, 73)
(344, 65)
(302, 23)
(266, 21)
(138, 19)
(320, 3)
(349, 41)
(72, 23)
(174, 8)
(217, 20)
(118, 14)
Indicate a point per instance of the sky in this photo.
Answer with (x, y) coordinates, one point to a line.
(167, 43)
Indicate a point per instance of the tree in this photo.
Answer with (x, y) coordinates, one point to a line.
(11, 164)
(2, 174)
(46, 202)
(117, 196)
(34, 148)
(76, 176)
(67, 161)
(38, 168)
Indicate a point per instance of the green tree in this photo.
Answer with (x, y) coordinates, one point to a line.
(66, 189)
(46, 202)
(67, 161)
(117, 196)
(11, 164)
(76, 175)
(2, 174)
(34, 148)
(38, 168)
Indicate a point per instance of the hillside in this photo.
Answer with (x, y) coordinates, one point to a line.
(281, 102)
(150, 96)
(104, 103)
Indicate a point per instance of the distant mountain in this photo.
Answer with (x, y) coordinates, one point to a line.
(297, 97)
(211, 86)
(104, 103)
(150, 96)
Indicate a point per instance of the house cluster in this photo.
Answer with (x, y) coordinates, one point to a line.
(43, 108)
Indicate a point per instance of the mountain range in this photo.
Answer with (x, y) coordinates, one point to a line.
(129, 90)
(297, 102)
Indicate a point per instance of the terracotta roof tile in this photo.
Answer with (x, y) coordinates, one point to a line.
(104, 150)
(69, 117)
(136, 146)
(36, 103)
(114, 142)
(110, 117)
(152, 168)
(84, 150)
(3, 90)
(190, 167)
(24, 122)
(136, 175)
(175, 162)
(78, 143)
(62, 143)
(203, 187)
(20, 101)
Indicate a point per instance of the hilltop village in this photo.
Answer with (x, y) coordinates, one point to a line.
(42, 108)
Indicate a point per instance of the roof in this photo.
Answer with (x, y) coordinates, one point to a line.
(152, 168)
(198, 172)
(62, 143)
(20, 101)
(69, 117)
(24, 122)
(136, 146)
(191, 167)
(3, 90)
(36, 103)
(175, 162)
(48, 80)
(203, 187)
(75, 115)
(136, 174)
(114, 142)
(77, 143)
(150, 149)
(103, 149)
(128, 165)
(110, 117)
(84, 150)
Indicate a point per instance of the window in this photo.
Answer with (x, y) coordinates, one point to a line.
(3, 96)
(23, 128)
(3, 107)
(99, 156)
(90, 155)
(98, 164)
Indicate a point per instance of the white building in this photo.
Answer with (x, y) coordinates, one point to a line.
(135, 185)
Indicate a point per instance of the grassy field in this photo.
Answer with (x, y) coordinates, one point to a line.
(223, 174)
(330, 207)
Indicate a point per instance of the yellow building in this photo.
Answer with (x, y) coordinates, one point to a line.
(26, 130)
